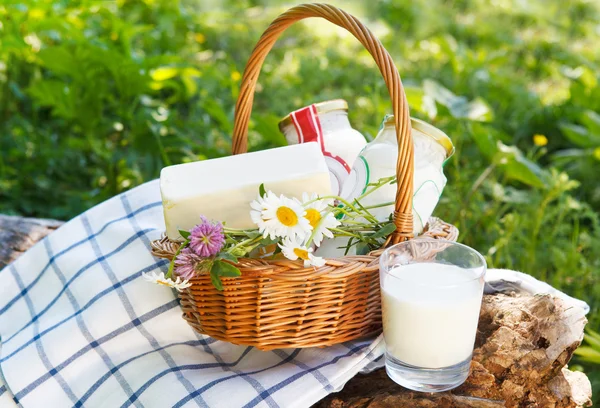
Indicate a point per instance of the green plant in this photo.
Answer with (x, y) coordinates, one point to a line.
(589, 355)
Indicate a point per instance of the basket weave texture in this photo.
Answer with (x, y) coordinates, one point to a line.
(279, 303)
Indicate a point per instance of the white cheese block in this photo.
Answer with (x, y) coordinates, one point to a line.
(222, 189)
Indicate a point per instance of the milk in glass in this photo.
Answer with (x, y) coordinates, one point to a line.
(430, 313)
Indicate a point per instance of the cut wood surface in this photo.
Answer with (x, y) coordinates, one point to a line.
(522, 349)
(17, 234)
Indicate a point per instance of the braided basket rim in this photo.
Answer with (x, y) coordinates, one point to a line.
(286, 269)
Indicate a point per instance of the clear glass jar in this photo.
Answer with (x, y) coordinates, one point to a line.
(327, 124)
(378, 159)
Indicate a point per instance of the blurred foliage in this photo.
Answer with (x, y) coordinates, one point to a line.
(96, 97)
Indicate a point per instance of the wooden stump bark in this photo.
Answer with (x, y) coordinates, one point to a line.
(18, 234)
(521, 353)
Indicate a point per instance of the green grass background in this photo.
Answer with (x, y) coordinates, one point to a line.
(97, 96)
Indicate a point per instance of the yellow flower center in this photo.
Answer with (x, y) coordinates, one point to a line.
(163, 283)
(540, 140)
(301, 253)
(287, 216)
(313, 217)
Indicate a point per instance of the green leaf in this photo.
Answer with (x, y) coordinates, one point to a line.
(588, 354)
(56, 95)
(459, 106)
(349, 245)
(362, 248)
(225, 269)
(60, 60)
(579, 135)
(191, 72)
(593, 334)
(593, 339)
(267, 127)
(164, 73)
(185, 234)
(441, 94)
(216, 111)
(571, 154)
(417, 101)
(510, 194)
(268, 241)
(261, 190)
(385, 231)
(479, 110)
(518, 167)
(227, 256)
(216, 281)
(191, 87)
(591, 120)
(255, 234)
(485, 140)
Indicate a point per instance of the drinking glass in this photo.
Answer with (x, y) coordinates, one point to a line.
(431, 292)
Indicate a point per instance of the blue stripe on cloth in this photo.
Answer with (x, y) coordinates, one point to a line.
(370, 356)
(129, 307)
(39, 346)
(76, 244)
(253, 383)
(84, 330)
(199, 391)
(145, 317)
(291, 379)
(160, 263)
(105, 377)
(77, 274)
(317, 374)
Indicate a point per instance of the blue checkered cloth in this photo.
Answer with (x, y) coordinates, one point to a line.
(80, 327)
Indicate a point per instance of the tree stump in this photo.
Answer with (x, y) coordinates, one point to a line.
(18, 234)
(521, 353)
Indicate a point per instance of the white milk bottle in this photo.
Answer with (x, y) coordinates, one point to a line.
(378, 159)
(327, 124)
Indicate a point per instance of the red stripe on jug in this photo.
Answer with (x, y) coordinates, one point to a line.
(308, 127)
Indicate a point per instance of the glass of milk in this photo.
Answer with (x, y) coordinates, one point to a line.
(431, 293)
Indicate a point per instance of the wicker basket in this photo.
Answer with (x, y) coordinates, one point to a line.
(279, 303)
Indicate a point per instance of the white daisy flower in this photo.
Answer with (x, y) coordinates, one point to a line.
(160, 279)
(280, 217)
(258, 206)
(293, 250)
(319, 216)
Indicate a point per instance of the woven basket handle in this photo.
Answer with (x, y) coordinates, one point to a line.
(405, 166)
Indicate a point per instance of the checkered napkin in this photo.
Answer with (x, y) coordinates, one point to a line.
(80, 327)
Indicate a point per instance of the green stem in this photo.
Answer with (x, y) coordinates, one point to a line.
(248, 242)
(172, 263)
(380, 205)
(380, 183)
(345, 233)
